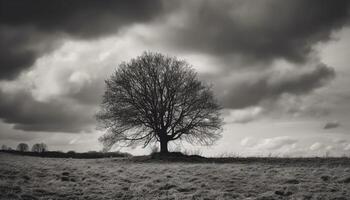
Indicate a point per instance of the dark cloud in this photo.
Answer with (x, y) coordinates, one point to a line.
(84, 18)
(253, 92)
(13, 56)
(258, 30)
(28, 28)
(19, 48)
(7, 133)
(331, 125)
(26, 113)
(90, 94)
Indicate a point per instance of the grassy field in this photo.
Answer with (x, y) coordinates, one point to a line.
(30, 178)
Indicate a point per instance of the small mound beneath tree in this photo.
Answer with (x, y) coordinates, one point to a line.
(176, 156)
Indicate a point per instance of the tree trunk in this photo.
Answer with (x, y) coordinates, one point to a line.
(164, 146)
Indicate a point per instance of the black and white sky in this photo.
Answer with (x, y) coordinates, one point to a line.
(279, 68)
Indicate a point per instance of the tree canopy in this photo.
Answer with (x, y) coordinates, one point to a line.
(158, 98)
(4, 147)
(22, 147)
(39, 147)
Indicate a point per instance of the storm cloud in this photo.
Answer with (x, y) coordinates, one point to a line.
(28, 29)
(258, 31)
(331, 125)
(25, 113)
(271, 86)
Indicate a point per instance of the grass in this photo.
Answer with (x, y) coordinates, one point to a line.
(30, 178)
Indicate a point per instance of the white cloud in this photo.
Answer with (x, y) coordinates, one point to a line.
(347, 147)
(248, 142)
(276, 143)
(316, 146)
(282, 145)
(78, 79)
(329, 147)
(340, 141)
(243, 115)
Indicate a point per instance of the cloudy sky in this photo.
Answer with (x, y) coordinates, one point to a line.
(279, 68)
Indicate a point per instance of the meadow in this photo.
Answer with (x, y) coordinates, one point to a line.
(33, 178)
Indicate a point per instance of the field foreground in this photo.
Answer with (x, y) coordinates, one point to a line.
(30, 178)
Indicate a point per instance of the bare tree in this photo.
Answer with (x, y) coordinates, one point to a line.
(157, 98)
(39, 147)
(22, 147)
(4, 147)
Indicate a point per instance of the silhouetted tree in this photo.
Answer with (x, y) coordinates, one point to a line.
(39, 147)
(157, 98)
(4, 147)
(71, 152)
(22, 147)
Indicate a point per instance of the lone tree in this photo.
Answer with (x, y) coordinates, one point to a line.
(157, 98)
(22, 147)
(39, 147)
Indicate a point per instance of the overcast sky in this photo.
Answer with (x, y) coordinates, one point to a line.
(279, 68)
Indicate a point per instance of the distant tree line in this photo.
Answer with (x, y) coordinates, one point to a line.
(23, 147)
(41, 149)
